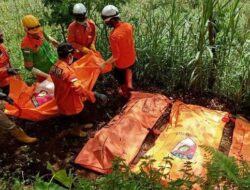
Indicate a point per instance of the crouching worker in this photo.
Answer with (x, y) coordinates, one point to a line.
(10, 126)
(69, 92)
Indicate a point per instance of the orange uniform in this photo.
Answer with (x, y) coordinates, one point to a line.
(122, 45)
(4, 64)
(68, 99)
(80, 36)
(3, 73)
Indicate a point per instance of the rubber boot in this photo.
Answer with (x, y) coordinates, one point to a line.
(129, 76)
(77, 132)
(21, 136)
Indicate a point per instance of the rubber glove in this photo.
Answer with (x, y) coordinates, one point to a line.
(85, 50)
(92, 47)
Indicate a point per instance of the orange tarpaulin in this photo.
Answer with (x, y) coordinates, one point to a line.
(190, 126)
(124, 134)
(37, 101)
(240, 148)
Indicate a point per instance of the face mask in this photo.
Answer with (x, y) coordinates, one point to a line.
(71, 59)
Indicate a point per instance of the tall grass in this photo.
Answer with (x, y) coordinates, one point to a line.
(189, 44)
(12, 12)
(175, 45)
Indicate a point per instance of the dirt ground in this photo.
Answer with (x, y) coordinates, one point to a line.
(22, 161)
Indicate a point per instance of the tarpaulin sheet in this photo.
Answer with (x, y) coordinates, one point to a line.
(124, 134)
(240, 147)
(37, 101)
(190, 126)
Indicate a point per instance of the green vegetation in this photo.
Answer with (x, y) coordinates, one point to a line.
(194, 44)
(221, 170)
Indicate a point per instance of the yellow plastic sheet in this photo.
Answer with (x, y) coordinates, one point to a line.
(190, 126)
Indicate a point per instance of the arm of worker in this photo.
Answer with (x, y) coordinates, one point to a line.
(92, 46)
(35, 71)
(78, 87)
(115, 52)
(54, 42)
(38, 72)
(3, 72)
(72, 40)
(4, 58)
(110, 60)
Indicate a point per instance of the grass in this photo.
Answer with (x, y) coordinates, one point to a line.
(174, 48)
(222, 171)
(12, 12)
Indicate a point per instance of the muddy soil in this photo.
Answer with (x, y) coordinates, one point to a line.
(22, 161)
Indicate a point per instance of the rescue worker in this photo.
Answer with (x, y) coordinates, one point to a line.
(6, 124)
(81, 32)
(5, 65)
(38, 55)
(122, 48)
(69, 92)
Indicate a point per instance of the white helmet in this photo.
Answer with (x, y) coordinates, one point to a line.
(80, 9)
(110, 11)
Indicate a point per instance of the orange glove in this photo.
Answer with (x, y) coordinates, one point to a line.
(85, 50)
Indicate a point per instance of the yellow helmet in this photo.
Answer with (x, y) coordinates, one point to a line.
(31, 24)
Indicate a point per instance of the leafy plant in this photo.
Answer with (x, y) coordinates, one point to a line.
(226, 169)
(61, 176)
(61, 11)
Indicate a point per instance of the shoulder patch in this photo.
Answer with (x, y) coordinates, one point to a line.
(56, 71)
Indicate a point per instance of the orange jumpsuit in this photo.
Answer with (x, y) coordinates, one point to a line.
(80, 36)
(122, 45)
(3, 73)
(69, 101)
(4, 63)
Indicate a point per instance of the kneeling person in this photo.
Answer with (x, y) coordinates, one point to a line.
(69, 92)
